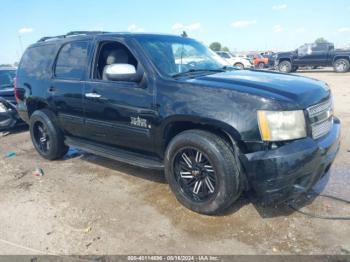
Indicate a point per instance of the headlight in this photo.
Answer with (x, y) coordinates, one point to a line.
(281, 125)
(3, 108)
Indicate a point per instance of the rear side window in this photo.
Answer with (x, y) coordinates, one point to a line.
(71, 60)
(36, 61)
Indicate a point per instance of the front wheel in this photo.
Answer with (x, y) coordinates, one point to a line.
(285, 67)
(294, 69)
(202, 172)
(341, 65)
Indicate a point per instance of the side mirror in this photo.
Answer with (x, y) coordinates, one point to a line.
(122, 72)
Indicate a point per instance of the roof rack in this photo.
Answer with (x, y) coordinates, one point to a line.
(73, 33)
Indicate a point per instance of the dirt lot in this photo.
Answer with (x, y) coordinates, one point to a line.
(89, 205)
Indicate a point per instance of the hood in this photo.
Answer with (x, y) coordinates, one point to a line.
(300, 92)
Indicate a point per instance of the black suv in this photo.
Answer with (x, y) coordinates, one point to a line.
(168, 102)
(314, 55)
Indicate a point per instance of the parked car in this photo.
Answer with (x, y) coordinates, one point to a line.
(258, 60)
(313, 55)
(8, 113)
(138, 98)
(233, 60)
(271, 58)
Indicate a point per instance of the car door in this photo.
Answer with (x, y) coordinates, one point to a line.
(311, 54)
(67, 86)
(319, 54)
(119, 113)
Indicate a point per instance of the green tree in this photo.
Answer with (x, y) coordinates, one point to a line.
(321, 40)
(226, 49)
(215, 46)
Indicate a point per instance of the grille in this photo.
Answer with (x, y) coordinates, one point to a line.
(319, 108)
(321, 118)
(322, 128)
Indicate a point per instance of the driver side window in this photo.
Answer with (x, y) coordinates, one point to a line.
(109, 53)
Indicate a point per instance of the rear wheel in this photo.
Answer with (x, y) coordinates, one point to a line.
(202, 172)
(341, 65)
(285, 67)
(261, 65)
(239, 65)
(46, 136)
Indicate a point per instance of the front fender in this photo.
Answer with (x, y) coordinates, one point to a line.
(340, 57)
(170, 122)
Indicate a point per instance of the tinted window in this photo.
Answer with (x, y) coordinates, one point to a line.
(320, 47)
(6, 78)
(36, 61)
(71, 60)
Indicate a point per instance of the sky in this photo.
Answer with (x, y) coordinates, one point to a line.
(240, 25)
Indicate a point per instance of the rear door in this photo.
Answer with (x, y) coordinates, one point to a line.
(319, 54)
(312, 55)
(67, 86)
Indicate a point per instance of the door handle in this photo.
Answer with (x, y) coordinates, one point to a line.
(51, 90)
(92, 95)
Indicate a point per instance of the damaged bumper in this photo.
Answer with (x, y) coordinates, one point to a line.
(10, 117)
(290, 170)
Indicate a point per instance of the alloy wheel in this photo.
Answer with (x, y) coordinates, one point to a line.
(41, 137)
(340, 66)
(195, 174)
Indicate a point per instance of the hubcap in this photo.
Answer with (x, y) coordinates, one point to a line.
(41, 137)
(195, 174)
(284, 67)
(341, 66)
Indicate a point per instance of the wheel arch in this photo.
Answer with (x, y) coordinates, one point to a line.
(35, 104)
(178, 124)
(341, 57)
(285, 59)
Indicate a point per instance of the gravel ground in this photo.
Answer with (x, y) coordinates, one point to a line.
(85, 204)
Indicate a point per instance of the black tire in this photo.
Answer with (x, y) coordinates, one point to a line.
(46, 136)
(239, 65)
(341, 65)
(294, 69)
(261, 65)
(285, 67)
(227, 186)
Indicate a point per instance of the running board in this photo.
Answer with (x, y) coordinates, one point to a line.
(114, 153)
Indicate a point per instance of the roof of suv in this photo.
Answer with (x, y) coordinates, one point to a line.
(77, 35)
(83, 34)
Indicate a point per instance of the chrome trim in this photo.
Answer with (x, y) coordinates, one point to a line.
(321, 118)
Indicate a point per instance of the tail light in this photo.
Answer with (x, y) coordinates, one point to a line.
(15, 89)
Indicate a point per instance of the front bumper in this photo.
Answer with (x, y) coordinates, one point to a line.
(286, 172)
(10, 118)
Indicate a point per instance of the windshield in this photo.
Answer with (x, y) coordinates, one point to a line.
(6, 78)
(175, 55)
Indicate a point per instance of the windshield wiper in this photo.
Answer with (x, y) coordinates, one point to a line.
(194, 71)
